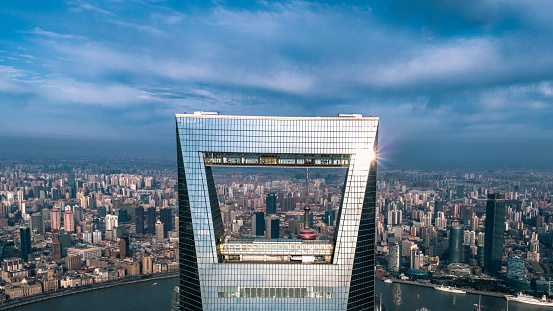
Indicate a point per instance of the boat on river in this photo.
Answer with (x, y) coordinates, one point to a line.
(450, 289)
(520, 297)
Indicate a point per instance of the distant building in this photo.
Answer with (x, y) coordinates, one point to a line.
(151, 220)
(494, 228)
(37, 226)
(166, 217)
(55, 219)
(147, 265)
(25, 240)
(416, 259)
(175, 299)
(85, 252)
(271, 204)
(160, 232)
(258, 224)
(515, 268)
(455, 244)
(56, 248)
(72, 262)
(124, 247)
(112, 221)
(272, 227)
(68, 221)
(139, 219)
(394, 258)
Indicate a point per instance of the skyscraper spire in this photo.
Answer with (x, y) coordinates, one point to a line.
(306, 233)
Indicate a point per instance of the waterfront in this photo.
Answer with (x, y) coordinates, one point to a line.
(135, 296)
(406, 297)
(145, 296)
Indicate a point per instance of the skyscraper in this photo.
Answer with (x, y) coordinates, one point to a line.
(68, 221)
(124, 247)
(271, 204)
(455, 244)
(222, 274)
(258, 223)
(151, 220)
(55, 219)
(272, 227)
(37, 223)
(394, 258)
(56, 248)
(25, 241)
(494, 228)
(139, 219)
(166, 217)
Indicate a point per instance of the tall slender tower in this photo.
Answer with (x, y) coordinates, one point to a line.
(306, 233)
(495, 227)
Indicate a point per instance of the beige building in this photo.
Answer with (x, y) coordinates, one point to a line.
(85, 252)
(50, 284)
(73, 262)
(147, 263)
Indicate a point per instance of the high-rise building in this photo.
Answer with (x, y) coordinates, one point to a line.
(166, 217)
(37, 226)
(456, 244)
(147, 265)
(344, 263)
(25, 242)
(124, 247)
(112, 221)
(56, 248)
(394, 258)
(416, 257)
(272, 227)
(160, 232)
(151, 220)
(515, 268)
(139, 219)
(55, 219)
(494, 228)
(258, 223)
(68, 221)
(271, 204)
(175, 299)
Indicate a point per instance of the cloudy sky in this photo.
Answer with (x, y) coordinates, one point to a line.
(453, 82)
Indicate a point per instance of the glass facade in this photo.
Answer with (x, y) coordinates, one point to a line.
(299, 275)
(495, 228)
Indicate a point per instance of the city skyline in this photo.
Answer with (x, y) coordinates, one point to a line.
(458, 84)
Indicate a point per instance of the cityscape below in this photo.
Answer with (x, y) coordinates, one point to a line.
(69, 224)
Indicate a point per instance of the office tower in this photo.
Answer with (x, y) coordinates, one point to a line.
(166, 217)
(416, 256)
(494, 229)
(56, 248)
(37, 226)
(272, 227)
(124, 247)
(258, 223)
(271, 204)
(160, 232)
(55, 219)
(68, 221)
(25, 242)
(345, 263)
(438, 206)
(394, 258)
(151, 220)
(455, 244)
(139, 219)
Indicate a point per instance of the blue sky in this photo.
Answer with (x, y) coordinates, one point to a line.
(460, 80)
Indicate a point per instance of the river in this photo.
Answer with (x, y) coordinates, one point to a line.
(145, 296)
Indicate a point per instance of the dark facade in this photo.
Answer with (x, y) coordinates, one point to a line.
(166, 217)
(271, 204)
(151, 220)
(258, 223)
(124, 247)
(56, 248)
(139, 219)
(455, 244)
(272, 228)
(25, 238)
(494, 229)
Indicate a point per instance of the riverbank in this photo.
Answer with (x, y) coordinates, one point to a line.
(9, 304)
(469, 291)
